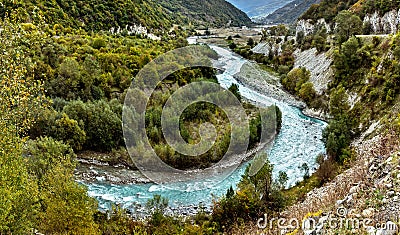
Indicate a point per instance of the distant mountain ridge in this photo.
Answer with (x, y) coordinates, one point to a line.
(258, 8)
(289, 13)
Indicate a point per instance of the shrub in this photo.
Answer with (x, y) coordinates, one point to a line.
(99, 43)
(307, 92)
(59, 126)
(103, 127)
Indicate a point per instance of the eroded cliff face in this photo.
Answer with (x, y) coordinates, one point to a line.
(307, 27)
(319, 66)
(389, 23)
(273, 45)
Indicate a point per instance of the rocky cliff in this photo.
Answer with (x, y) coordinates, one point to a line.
(389, 23)
(307, 27)
(318, 65)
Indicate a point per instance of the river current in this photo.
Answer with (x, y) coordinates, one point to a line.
(298, 142)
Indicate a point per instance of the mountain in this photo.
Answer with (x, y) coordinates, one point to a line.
(258, 8)
(288, 13)
(158, 15)
(207, 12)
(328, 9)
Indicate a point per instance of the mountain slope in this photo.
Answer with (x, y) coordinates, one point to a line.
(207, 12)
(288, 13)
(327, 9)
(258, 8)
(156, 15)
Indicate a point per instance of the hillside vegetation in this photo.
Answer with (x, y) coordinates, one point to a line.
(154, 15)
(218, 13)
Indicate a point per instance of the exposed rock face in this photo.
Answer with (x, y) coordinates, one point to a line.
(388, 23)
(307, 27)
(270, 47)
(135, 30)
(318, 65)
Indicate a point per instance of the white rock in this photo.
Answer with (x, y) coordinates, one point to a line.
(319, 66)
(353, 189)
(388, 23)
(367, 213)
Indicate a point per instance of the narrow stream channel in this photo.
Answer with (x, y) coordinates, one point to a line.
(299, 142)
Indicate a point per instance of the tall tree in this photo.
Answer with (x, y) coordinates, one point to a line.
(347, 25)
(20, 96)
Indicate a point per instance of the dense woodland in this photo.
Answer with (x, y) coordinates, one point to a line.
(157, 16)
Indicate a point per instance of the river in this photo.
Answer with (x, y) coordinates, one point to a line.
(298, 142)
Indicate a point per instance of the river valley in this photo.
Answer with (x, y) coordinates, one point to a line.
(298, 142)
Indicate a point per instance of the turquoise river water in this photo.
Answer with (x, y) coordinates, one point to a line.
(298, 142)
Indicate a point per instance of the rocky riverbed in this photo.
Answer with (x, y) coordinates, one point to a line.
(253, 77)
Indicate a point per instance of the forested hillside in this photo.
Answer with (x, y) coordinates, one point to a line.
(154, 15)
(329, 9)
(207, 12)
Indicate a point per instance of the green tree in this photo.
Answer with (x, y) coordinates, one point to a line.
(337, 137)
(230, 193)
(347, 61)
(18, 190)
(295, 79)
(282, 179)
(65, 205)
(306, 170)
(338, 103)
(69, 131)
(250, 42)
(20, 98)
(234, 88)
(59, 126)
(307, 92)
(347, 25)
(102, 126)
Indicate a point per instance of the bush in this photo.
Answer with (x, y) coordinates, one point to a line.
(103, 127)
(307, 92)
(99, 43)
(295, 79)
(59, 126)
